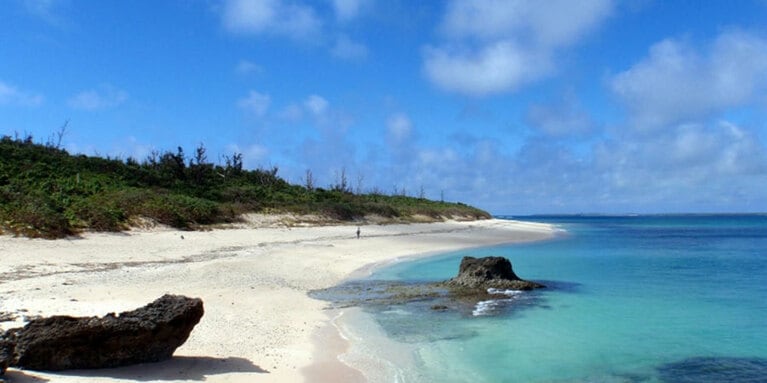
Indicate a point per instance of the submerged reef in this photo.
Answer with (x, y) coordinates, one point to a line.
(479, 281)
(715, 370)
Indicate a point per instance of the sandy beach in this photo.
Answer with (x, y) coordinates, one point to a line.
(259, 324)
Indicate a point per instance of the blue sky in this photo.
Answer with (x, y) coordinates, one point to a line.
(517, 107)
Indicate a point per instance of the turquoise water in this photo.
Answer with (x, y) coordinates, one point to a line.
(630, 299)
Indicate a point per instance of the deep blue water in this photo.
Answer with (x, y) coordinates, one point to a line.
(630, 299)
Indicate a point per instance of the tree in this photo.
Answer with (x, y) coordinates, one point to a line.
(172, 167)
(342, 183)
(58, 136)
(199, 166)
(360, 178)
(233, 164)
(309, 180)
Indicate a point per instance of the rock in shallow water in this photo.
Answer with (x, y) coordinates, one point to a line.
(148, 334)
(489, 281)
(489, 272)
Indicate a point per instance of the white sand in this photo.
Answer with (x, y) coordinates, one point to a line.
(259, 324)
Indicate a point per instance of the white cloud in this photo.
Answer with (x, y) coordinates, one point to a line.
(48, 10)
(316, 105)
(136, 149)
(546, 23)
(253, 155)
(104, 98)
(349, 9)
(313, 106)
(498, 67)
(246, 67)
(687, 160)
(292, 113)
(497, 46)
(561, 118)
(13, 96)
(398, 128)
(255, 103)
(274, 17)
(676, 83)
(347, 49)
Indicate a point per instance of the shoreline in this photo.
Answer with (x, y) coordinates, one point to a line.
(356, 363)
(259, 322)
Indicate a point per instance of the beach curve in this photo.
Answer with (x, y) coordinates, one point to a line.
(260, 324)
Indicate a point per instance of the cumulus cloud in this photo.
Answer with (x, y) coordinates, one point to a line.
(498, 67)
(496, 46)
(47, 10)
(275, 17)
(253, 155)
(679, 151)
(347, 49)
(677, 83)
(546, 24)
(105, 97)
(291, 113)
(13, 96)
(685, 153)
(349, 9)
(398, 128)
(564, 117)
(246, 67)
(255, 103)
(316, 105)
(688, 168)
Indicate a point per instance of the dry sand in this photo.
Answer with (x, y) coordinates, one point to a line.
(259, 324)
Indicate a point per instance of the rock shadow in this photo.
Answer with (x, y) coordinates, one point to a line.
(177, 368)
(562, 286)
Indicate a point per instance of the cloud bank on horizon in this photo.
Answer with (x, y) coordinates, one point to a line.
(514, 106)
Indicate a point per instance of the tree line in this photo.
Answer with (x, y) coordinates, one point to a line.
(46, 192)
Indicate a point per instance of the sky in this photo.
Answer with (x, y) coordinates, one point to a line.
(516, 107)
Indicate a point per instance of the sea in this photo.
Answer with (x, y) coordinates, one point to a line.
(655, 298)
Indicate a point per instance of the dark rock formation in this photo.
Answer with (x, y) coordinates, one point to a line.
(489, 272)
(6, 354)
(148, 334)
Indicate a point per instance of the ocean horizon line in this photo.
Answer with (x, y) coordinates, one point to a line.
(613, 215)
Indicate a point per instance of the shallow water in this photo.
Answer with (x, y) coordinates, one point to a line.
(630, 299)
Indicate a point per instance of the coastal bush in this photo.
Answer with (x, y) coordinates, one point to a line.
(45, 192)
(100, 213)
(37, 216)
(180, 211)
(341, 211)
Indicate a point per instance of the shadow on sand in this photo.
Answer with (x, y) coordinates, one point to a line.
(16, 376)
(196, 368)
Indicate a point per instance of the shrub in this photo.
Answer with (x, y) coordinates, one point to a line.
(35, 216)
(101, 214)
(180, 211)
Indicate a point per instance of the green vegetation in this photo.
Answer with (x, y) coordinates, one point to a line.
(46, 192)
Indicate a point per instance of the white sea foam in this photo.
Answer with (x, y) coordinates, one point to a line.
(489, 306)
(509, 293)
(484, 307)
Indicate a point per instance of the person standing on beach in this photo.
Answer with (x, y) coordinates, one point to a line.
(358, 232)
